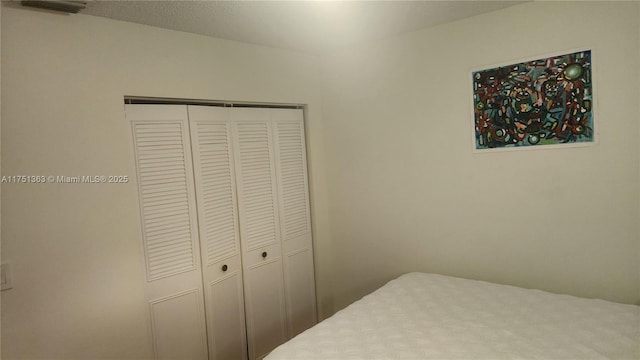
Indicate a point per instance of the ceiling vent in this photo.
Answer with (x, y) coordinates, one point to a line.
(57, 5)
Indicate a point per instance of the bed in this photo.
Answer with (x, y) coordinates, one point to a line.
(428, 316)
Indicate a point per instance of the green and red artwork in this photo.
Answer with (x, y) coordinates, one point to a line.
(541, 102)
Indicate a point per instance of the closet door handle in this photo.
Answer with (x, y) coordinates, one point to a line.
(264, 254)
(224, 267)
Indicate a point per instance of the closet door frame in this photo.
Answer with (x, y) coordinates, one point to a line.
(271, 279)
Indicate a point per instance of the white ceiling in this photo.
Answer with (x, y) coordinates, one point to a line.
(310, 26)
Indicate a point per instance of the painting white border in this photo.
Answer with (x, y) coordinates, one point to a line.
(594, 106)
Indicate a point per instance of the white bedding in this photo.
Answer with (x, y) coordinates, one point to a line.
(427, 316)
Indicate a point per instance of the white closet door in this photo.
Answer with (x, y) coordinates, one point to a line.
(295, 222)
(219, 231)
(259, 229)
(169, 230)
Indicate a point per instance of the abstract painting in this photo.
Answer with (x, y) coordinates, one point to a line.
(548, 101)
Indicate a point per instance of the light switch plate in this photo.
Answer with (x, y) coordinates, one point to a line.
(5, 277)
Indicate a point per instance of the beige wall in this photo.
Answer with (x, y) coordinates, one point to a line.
(390, 128)
(0, 169)
(74, 248)
(408, 194)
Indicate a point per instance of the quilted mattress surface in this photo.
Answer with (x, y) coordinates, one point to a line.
(428, 316)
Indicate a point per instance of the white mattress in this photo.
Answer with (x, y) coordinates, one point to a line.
(427, 316)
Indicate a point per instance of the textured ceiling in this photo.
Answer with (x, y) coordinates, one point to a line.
(310, 26)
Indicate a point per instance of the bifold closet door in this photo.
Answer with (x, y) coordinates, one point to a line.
(259, 230)
(219, 231)
(295, 222)
(169, 230)
(226, 228)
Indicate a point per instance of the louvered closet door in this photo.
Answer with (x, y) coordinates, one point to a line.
(219, 231)
(169, 230)
(259, 230)
(295, 222)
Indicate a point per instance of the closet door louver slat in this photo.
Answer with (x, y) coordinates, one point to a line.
(218, 219)
(169, 176)
(292, 179)
(257, 184)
